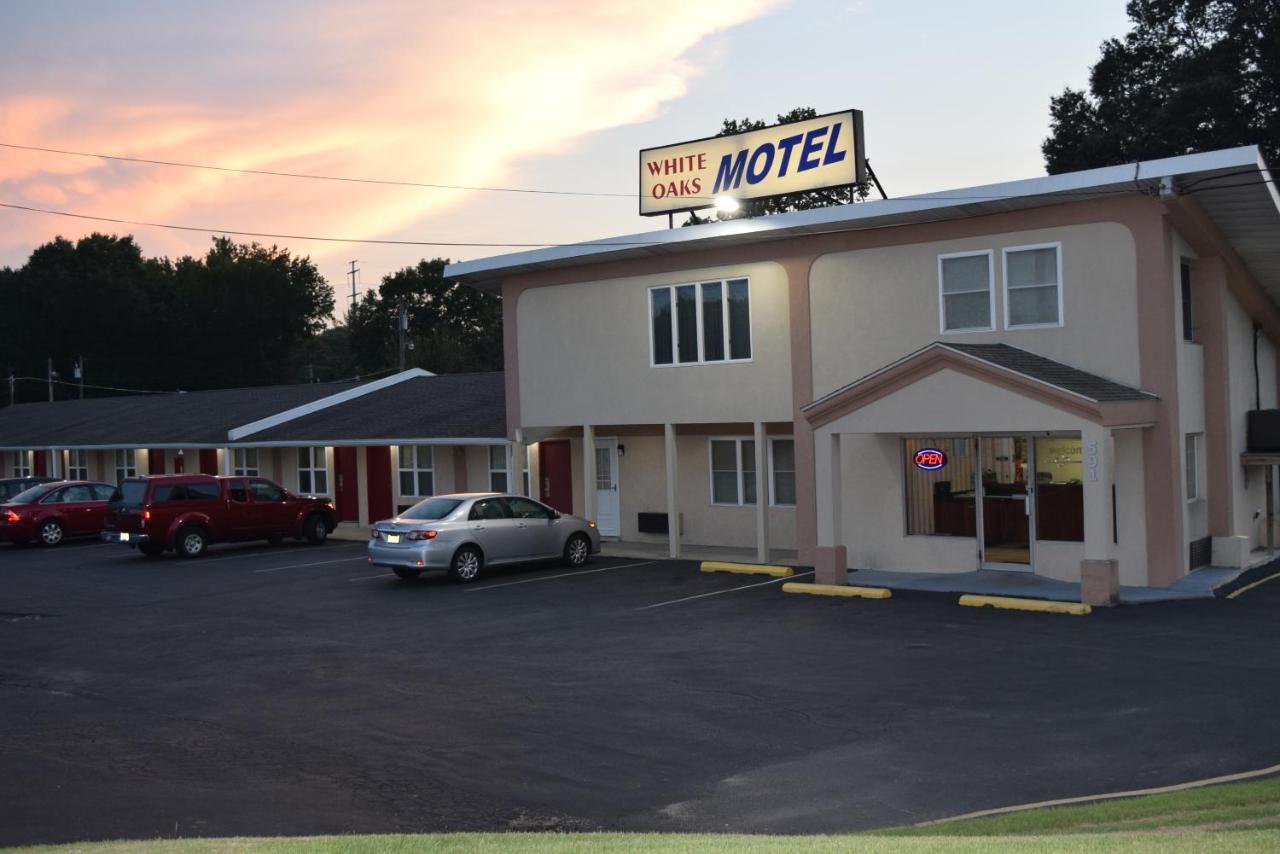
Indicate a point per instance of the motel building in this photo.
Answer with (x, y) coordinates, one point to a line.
(375, 447)
(1050, 376)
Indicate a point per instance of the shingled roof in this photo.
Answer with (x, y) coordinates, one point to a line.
(1048, 371)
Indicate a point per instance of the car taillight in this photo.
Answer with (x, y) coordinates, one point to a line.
(375, 534)
(146, 515)
(10, 516)
(421, 535)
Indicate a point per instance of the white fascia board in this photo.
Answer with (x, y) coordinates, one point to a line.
(799, 222)
(324, 403)
(365, 443)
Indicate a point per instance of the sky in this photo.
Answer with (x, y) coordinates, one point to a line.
(530, 94)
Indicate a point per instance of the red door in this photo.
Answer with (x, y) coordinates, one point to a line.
(348, 491)
(155, 461)
(209, 461)
(377, 469)
(555, 469)
(40, 463)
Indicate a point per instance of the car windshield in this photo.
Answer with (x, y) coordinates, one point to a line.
(32, 495)
(130, 492)
(431, 509)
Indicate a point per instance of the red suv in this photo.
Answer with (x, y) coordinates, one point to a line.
(187, 512)
(51, 512)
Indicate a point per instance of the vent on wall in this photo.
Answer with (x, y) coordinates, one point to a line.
(656, 523)
(1200, 552)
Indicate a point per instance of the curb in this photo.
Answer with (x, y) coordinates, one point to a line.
(1014, 604)
(747, 568)
(845, 590)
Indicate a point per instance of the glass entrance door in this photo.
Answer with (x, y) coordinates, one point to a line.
(1007, 505)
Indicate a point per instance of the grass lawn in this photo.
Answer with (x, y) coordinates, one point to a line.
(1244, 817)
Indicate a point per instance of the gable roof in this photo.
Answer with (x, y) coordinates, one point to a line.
(1232, 185)
(1082, 393)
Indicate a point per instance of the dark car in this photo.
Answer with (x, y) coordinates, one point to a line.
(11, 486)
(50, 512)
(187, 512)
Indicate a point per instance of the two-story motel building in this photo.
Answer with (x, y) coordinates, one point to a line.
(1043, 376)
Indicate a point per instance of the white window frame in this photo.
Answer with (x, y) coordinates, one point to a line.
(416, 469)
(773, 480)
(22, 464)
(240, 463)
(314, 469)
(675, 326)
(1193, 466)
(77, 464)
(737, 461)
(126, 463)
(991, 293)
(1004, 274)
(505, 470)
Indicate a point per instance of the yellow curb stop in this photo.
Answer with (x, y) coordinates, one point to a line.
(846, 590)
(1014, 604)
(747, 568)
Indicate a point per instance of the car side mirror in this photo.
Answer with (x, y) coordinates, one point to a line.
(554, 515)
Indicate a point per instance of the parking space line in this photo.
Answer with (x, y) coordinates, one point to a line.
(730, 590)
(560, 575)
(250, 555)
(317, 563)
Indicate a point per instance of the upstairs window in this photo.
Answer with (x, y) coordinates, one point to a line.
(1033, 286)
(966, 292)
(700, 323)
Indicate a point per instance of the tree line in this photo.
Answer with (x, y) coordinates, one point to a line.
(241, 315)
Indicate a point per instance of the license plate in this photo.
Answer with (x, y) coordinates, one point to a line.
(124, 536)
(393, 538)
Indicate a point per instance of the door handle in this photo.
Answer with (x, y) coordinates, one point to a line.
(546, 486)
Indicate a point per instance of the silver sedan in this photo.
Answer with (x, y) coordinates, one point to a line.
(466, 532)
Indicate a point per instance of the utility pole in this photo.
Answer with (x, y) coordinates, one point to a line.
(80, 374)
(311, 372)
(352, 274)
(402, 324)
(49, 377)
(13, 393)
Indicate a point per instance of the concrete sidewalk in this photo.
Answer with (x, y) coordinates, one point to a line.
(658, 550)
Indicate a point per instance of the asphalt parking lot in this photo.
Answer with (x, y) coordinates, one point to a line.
(297, 690)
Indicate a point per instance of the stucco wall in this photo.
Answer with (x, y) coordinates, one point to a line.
(1191, 412)
(584, 356)
(1249, 487)
(874, 306)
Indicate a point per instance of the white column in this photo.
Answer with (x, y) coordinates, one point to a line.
(826, 454)
(55, 462)
(228, 458)
(519, 461)
(589, 472)
(1098, 455)
(762, 494)
(673, 508)
(509, 460)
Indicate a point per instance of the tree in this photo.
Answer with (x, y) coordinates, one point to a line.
(780, 204)
(1191, 75)
(454, 328)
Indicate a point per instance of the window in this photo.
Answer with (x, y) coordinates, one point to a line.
(126, 464)
(782, 471)
(1032, 286)
(1192, 461)
(497, 468)
(523, 508)
(940, 502)
(264, 491)
(313, 471)
(489, 508)
(238, 491)
(417, 470)
(966, 292)
(22, 464)
(77, 465)
(1059, 492)
(56, 496)
(245, 462)
(733, 471)
(700, 323)
(1188, 327)
(101, 492)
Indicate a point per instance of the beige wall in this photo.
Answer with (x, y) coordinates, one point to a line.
(584, 356)
(1248, 485)
(872, 307)
(1191, 411)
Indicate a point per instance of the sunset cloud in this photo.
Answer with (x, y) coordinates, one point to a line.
(398, 92)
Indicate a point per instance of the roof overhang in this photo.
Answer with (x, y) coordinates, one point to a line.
(1232, 185)
(938, 357)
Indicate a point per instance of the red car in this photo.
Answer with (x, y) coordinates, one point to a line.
(187, 512)
(51, 512)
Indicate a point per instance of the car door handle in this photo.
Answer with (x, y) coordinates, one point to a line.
(477, 527)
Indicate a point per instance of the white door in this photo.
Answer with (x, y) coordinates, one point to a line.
(607, 519)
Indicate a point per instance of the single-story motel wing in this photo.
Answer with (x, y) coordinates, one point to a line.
(1053, 376)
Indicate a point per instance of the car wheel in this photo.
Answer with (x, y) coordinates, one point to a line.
(315, 530)
(407, 574)
(191, 542)
(51, 532)
(466, 564)
(577, 551)
(151, 550)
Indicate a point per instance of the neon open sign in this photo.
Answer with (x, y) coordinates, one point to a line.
(930, 459)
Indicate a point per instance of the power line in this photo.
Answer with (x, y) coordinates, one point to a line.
(314, 177)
